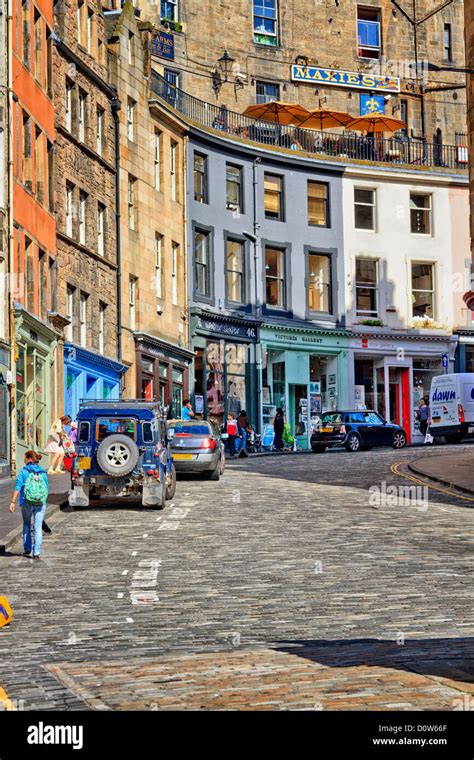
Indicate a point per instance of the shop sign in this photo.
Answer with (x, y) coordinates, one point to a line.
(355, 80)
(295, 338)
(232, 330)
(370, 104)
(162, 45)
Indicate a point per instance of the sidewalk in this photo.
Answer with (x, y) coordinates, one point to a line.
(10, 524)
(454, 471)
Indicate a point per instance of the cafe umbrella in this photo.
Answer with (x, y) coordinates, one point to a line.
(277, 112)
(376, 123)
(326, 118)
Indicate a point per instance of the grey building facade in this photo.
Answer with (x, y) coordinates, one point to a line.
(266, 277)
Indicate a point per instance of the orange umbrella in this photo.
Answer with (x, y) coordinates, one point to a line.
(376, 122)
(277, 112)
(325, 118)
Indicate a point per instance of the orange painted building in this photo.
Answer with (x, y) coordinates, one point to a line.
(36, 335)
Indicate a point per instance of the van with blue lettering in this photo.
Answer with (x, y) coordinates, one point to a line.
(452, 406)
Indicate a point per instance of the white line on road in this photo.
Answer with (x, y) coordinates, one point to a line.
(124, 572)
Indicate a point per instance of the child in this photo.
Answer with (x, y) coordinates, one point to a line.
(32, 481)
(232, 432)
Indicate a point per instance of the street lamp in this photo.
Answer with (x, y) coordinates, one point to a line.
(225, 64)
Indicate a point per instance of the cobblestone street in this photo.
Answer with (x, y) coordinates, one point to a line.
(281, 587)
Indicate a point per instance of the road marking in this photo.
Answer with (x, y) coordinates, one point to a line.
(120, 595)
(124, 572)
(134, 554)
(394, 469)
(130, 620)
(5, 700)
(145, 535)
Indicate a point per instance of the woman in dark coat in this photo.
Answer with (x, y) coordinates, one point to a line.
(278, 424)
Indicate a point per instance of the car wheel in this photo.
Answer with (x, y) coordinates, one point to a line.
(353, 442)
(215, 474)
(117, 455)
(318, 449)
(171, 484)
(399, 440)
(455, 438)
(222, 465)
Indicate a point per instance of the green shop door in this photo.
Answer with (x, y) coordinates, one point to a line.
(298, 413)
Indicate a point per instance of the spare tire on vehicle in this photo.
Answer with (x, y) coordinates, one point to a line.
(117, 455)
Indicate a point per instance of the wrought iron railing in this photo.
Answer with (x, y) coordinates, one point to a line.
(347, 145)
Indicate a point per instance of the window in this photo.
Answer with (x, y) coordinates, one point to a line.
(200, 178)
(131, 48)
(235, 258)
(173, 153)
(89, 30)
(157, 159)
(131, 202)
(364, 209)
(201, 263)
(265, 22)
(318, 204)
(273, 196)
(368, 33)
(82, 217)
(111, 426)
(319, 283)
(69, 91)
(420, 214)
(174, 273)
(422, 286)
(366, 288)
(99, 134)
(43, 283)
(83, 318)
(234, 188)
(102, 316)
(27, 151)
(267, 91)
(26, 32)
(53, 284)
(38, 46)
(447, 43)
(132, 297)
(159, 265)
(81, 133)
(30, 276)
(40, 165)
(70, 299)
(84, 432)
(49, 62)
(275, 277)
(101, 229)
(81, 22)
(69, 208)
(169, 10)
(131, 119)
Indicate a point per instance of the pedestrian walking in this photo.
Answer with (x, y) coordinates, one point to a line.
(243, 426)
(424, 416)
(232, 432)
(187, 412)
(32, 485)
(278, 425)
(55, 444)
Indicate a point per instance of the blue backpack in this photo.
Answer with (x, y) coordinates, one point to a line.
(36, 489)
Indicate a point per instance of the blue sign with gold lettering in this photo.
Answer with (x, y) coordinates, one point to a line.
(162, 45)
(354, 80)
(372, 104)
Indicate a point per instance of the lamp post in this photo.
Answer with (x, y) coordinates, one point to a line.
(225, 64)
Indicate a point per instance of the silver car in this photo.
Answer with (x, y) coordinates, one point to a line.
(196, 447)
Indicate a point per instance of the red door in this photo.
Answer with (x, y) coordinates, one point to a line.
(406, 411)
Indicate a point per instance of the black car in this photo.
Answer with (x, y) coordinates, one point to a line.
(356, 431)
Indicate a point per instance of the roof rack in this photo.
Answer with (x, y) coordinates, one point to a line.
(116, 404)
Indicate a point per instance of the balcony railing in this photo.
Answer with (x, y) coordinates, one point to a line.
(346, 146)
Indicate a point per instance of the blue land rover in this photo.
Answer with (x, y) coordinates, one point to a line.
(122, 450)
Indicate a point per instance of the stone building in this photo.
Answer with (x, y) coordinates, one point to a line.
(466, 332)
(279, 49)
(152, 214)
(85, 108)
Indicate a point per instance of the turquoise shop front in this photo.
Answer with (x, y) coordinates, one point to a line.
(304, 371)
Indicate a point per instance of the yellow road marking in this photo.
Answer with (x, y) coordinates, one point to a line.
(394, 469)
(5, 702)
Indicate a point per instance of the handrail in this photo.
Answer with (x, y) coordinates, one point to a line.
(398, 149)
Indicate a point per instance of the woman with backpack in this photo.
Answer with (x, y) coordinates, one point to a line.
(32, 485)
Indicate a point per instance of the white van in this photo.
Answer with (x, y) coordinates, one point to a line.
(452, 406)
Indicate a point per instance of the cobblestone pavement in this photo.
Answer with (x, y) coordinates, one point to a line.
(285, 586)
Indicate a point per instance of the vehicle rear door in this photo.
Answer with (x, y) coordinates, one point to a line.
(187, 440)
(378, 434)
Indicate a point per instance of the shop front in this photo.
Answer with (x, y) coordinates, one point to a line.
(465, 350)
(225, 380)
(35, 387)
(162, 371)
(393, 374)
(304, 373)
(89, 377)
(4, 418)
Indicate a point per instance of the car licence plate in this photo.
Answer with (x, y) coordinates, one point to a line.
(470, 430)
(327, 430)
(84, 463)
(436, 419)
(182, 456)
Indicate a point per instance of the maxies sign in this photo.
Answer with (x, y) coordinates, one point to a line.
(351, 79)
